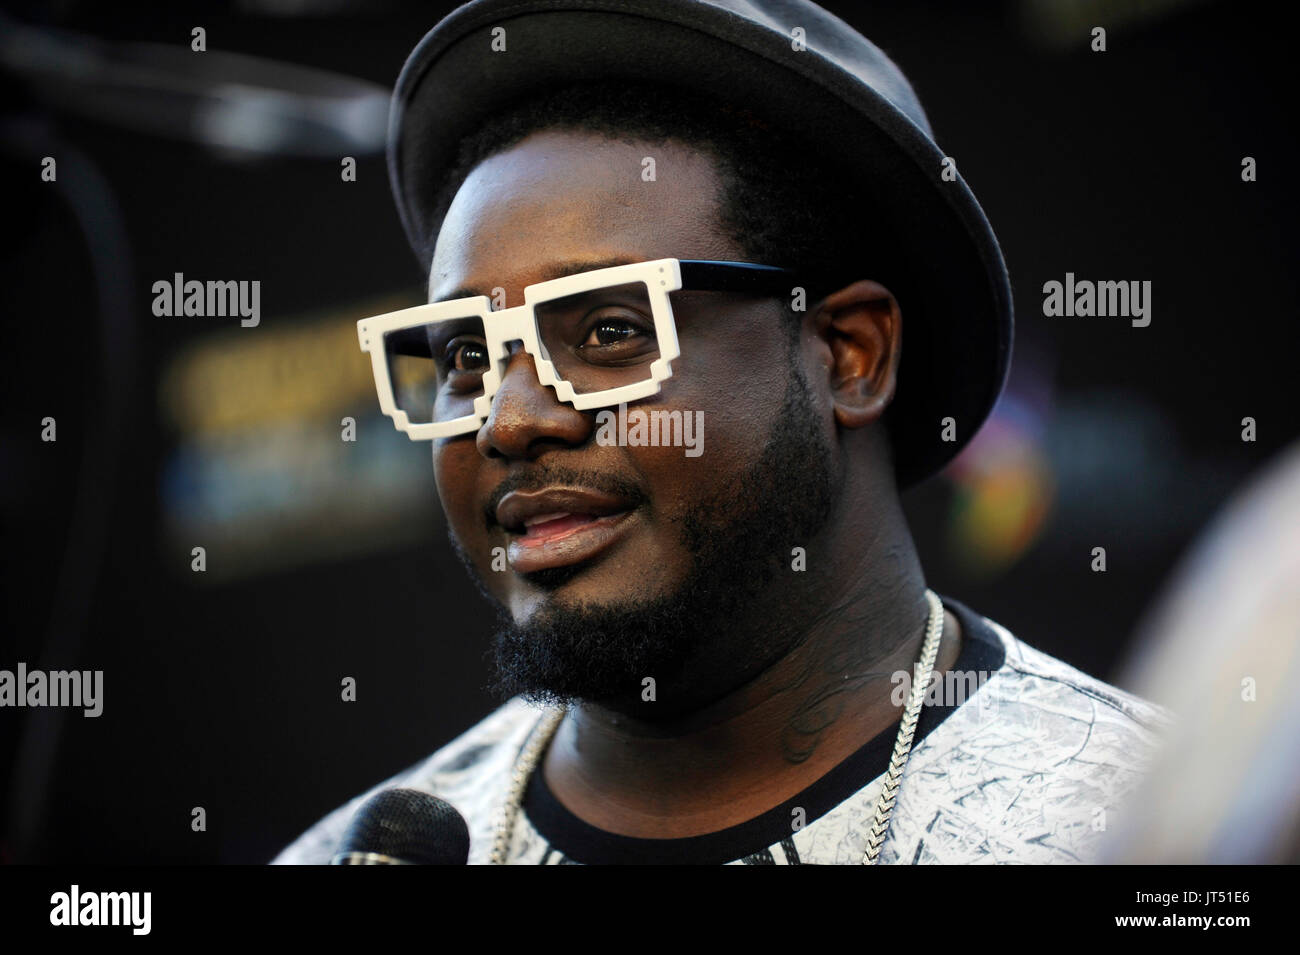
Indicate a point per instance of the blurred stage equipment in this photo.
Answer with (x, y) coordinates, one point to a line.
(244, 106)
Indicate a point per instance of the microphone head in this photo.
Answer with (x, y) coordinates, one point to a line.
(405, 826)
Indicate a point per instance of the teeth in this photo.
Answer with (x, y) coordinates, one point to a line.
(543, 518)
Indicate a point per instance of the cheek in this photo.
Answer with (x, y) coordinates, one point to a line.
(454, 472)
(739, 386)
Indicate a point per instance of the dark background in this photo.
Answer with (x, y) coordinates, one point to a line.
(222, 688)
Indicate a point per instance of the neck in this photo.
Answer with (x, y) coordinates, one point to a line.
(764, 741)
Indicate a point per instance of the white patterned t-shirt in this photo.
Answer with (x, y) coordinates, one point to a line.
(1031, 767)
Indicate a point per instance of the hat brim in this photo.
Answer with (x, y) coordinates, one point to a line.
(955, 297)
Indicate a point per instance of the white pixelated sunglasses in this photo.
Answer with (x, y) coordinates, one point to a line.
(599, 338)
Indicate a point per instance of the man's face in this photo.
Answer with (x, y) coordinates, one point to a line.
(609, 586)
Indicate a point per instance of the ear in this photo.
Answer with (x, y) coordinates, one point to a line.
(860, 326)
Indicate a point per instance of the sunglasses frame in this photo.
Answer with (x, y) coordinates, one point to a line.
(519, 323)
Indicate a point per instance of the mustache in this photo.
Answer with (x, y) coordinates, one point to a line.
(540, 477)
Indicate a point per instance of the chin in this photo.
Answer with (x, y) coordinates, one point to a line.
(531, 606)
(591, 584)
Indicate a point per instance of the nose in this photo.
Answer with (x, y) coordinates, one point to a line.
(526, 418)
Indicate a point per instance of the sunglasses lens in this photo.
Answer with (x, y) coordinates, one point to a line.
(600, 339)
(437, 368)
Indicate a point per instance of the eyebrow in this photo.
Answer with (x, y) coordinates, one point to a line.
(555, 270)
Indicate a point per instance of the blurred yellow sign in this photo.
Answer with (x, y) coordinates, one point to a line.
(243, 378)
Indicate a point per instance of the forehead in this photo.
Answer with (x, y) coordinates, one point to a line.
(570, 196)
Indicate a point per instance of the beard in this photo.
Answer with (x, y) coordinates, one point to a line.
(739, 540)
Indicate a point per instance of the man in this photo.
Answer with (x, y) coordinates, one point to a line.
(731, 650)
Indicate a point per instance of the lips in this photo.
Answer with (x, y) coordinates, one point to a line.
(559, 527)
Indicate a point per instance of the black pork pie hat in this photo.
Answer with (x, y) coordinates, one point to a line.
(840, 94)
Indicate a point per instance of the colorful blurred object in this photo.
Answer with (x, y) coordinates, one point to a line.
(1003, 485)
(1002, 499)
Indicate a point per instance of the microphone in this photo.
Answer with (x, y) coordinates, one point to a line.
(404, 827)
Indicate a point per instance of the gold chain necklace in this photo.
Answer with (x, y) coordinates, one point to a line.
(550, 722)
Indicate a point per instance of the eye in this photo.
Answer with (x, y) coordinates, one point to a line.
(617, 334)
(611, 331)
(465, 354)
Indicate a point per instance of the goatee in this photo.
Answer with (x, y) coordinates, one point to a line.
(740, 541)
